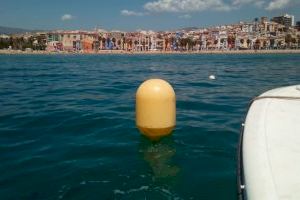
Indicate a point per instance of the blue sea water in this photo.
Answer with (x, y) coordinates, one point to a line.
(67, 124)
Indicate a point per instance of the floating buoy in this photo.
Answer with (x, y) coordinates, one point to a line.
(155, 108)
(212, 77)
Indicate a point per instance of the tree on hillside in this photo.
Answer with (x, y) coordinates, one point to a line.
(103, 43)
(190, 44)
(294, 42)
(4, 43)
(288, 39)
(231, 41)
(183, 43)
(265, 44)
(248, 43)
(257, 44)
(272, 43)
(114, 41)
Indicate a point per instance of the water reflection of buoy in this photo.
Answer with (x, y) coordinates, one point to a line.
(212, 77)
(160, 157)
(155, 108)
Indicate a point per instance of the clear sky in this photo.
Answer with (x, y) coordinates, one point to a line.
(130, 15)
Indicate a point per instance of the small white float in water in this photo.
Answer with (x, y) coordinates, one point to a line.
(212, 77)
(269, 151)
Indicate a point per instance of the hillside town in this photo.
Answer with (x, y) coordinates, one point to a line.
(261, 34)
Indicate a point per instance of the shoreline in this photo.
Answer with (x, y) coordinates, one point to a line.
(122, 52)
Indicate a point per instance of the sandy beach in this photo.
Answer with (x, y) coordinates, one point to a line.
(281, 51)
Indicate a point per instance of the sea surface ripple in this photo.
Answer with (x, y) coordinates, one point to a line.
(67, 124)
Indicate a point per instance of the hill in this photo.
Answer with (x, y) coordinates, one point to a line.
(9, 30)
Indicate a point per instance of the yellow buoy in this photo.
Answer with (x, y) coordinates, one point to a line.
(155, 108)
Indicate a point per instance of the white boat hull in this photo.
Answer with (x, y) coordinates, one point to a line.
(271, 146)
